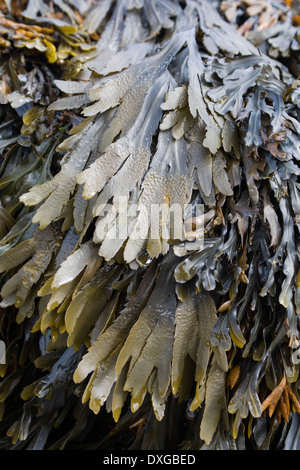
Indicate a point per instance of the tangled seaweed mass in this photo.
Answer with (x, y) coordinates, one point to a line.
(150, 342)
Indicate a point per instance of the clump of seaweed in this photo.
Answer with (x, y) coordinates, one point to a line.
(148, 339)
